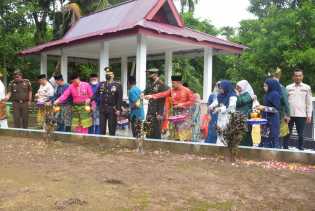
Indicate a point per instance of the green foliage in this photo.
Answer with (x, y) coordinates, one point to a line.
(86, 70)
(283, 38)
(188, 5)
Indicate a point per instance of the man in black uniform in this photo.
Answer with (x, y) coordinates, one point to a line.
(156, 107)
(110, 95)
(20, 91)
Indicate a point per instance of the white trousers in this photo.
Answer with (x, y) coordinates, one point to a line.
(4, 123)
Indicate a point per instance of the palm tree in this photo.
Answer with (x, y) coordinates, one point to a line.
(190, 4)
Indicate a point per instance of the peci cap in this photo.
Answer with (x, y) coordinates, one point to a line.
(58, 77)
(93, 75)
(74, 76)
(177, 78)
(42, 76)
(132, 80)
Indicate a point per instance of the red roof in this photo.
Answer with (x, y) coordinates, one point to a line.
(156, 17)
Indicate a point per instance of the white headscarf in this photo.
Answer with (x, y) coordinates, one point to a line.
(246, 87)
(2, 90)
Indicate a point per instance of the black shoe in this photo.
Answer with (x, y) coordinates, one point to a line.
(301, 148)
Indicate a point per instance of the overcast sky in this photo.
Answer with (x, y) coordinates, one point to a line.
(223, 12)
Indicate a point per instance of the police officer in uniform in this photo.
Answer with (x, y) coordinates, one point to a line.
(155, 107)
(110, 95)
(20, 91)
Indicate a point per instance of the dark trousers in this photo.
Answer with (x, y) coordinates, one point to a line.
(63, 128)
(135, 127)
(155, 132)
(300, 123)
(94, 129)
(20, 115)
(110, 117)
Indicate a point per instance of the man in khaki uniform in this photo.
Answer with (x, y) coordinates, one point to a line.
(300, 101)
(20, 92)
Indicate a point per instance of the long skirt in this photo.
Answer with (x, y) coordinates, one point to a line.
(182, 130)
(196, 120)
(212, 129)
(271, 131)
(64, 118)
(81, 119)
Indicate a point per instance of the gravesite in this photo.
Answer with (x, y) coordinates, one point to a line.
(157, 105)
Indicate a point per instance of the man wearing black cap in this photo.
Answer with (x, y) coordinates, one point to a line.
(110, 95)
(156, 106)
(179, 101)
(43, 96)
(20, 91)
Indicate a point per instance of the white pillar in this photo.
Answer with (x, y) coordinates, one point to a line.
(43, 63)
(64, 67)
(141, 62)
(168, 67)
(207, 73)
(104, 59)
(124, 76)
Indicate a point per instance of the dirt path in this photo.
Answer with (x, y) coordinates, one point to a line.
(71, 177)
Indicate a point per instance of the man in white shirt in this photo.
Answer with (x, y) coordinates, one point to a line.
(43, 97)
(3, 112)
(300, 102)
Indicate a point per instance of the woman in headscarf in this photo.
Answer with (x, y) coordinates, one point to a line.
(224, 105)
(212, 126)
(270, 109)
(245, 98)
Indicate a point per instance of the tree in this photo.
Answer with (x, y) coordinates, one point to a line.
(188, 5)
(283, 38)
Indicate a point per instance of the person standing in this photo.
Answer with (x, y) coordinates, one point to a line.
(196, 118)
(271, 112)
(64, 115)
(284, 111)
(110, 94)
(81, 93)
(136, 106)
(244, 104)
(3, 106)
(300, 102)
(95, 128)
(156, 106)
(20, 91)
(224, 105)
(179, 101)
(213, 116)
(43, 96)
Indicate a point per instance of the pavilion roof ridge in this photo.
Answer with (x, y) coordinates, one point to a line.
(213, 36)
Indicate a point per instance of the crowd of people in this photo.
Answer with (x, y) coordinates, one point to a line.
(173, 112)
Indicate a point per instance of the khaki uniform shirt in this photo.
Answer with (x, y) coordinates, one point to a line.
(20, 90)
(300, 100)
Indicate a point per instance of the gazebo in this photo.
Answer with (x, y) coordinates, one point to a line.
(135, 28)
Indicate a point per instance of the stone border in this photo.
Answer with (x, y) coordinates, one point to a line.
(202, 149)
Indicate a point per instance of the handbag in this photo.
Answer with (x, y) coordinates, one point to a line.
(284, 128)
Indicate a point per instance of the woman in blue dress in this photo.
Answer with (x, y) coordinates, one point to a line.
(270, 109)
(212, 126)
